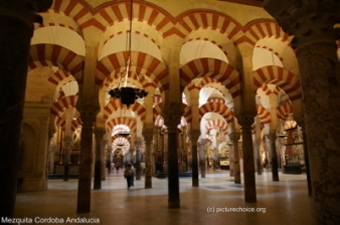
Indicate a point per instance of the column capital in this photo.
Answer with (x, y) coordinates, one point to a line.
(173, 117)
(235, 136)
(99, 132)
(194, 135)
(271, 136)
(148, 134)
(300, 120)
(310, 22)
(245, 119)
(88, 118)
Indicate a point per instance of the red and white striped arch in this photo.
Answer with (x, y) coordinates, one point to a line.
(284, 111)
(59, 107)
(115, 105)
(194, 20)
(64, 103)
(216, 123)
(75, 124)
(263, 114)
(211, 68)
(157, 111)
(59, 77)
(219, 108)
(70, 26)
(55, 55)
(128, 121)
(108, 14)
(121, 140)
(78, 10)
(259, 29)
(187, 113)
(286, 80)
(110, 68)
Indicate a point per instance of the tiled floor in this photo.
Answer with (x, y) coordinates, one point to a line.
(283, 202)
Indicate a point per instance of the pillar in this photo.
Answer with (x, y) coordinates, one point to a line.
(67, 145)
(194, 135)
(138, 144)
(312, 24)
(301, 123)
(148, 138)
(273, 155)
(202, 157)
(16, 28)
(235, 137)
(85, 166)
(248, 157)
(257, 143)
(68, 141)
(172, 122)
(97, 184)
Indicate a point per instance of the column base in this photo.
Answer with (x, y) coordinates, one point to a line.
(27, 184)
(174, 204)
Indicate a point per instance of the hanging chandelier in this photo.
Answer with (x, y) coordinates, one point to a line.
(128, 95)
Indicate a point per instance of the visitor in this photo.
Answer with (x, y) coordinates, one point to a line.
(128, 174)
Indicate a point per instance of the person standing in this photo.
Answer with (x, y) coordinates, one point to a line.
(128, 174)
(117, 165)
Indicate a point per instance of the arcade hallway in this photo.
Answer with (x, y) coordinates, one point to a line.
(284, 202)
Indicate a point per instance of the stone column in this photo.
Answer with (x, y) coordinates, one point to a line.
(103, 152)
(97, 184)
(248, 157)
(138, 144)
(257, 142)
(67, 142)
(301, 123)
(235, 137)
(172, 122)
(67, 145)
(202, 157)
(86, 160)
(16, 29)
(194, 135)
(273, 155)
(148, 138)
(231, 157)
(312, 24)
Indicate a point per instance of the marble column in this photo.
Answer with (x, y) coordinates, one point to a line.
(234, 138)
(86, 160)
(248, 157)
(97, 184)
(231, 159)
(172, 122)
(148, 138)
(67, 145)
(138, 144)
(256, 144)
(202, 158)
(273, 156)
(312, 24)
(16, 29)
(194, 135)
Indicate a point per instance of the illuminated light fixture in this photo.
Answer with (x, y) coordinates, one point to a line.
(128, 95)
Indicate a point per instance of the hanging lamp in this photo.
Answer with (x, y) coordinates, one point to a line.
(128, 95)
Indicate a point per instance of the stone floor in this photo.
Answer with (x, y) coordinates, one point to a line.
(217, 201)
